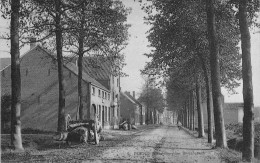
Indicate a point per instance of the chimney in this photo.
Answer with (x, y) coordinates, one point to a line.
(134, 94)
(32, 42)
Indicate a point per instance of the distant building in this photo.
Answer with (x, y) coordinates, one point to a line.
(232, 112)
(39, 77)
(131, 109)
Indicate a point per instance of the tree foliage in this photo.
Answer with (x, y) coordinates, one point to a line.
(98, 29)
(152, 97)
(179, 38)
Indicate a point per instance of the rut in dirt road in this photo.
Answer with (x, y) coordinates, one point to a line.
(162, 144)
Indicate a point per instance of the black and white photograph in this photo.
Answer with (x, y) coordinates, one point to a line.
(127, 81)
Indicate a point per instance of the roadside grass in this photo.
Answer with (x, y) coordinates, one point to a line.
(229, 155)
(233, 131)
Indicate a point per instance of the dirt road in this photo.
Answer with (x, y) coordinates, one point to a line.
(147, 144)
(163, 144)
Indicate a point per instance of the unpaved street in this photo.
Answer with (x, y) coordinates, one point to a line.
(163, 144)
(146, 144)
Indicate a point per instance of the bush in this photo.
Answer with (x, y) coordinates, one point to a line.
(237, 129)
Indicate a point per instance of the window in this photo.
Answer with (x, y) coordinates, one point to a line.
(116, 97)
(117, 82)
(100, 113)
(108, 96)
(103, 95)
(106, 112)
(96, 110)
(113, 112)
(103, 114)
(99, 93)
(93, 90)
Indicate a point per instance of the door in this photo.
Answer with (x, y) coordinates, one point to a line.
(103, 116)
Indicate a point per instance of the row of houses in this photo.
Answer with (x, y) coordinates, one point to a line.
(101, 91)
(101, 94)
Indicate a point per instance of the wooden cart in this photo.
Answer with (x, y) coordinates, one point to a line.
(93, 126)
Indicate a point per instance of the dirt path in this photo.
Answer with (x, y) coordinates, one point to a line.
(147, 144)
(164, 144)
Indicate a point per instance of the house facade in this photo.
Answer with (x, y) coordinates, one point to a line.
(131, 109)
(103, 72)
(39, 93)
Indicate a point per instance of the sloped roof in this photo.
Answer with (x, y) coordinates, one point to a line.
(4, 62)
(233, 105)
(72, 67)
(85, 76)
(98, 69)
(131, 98)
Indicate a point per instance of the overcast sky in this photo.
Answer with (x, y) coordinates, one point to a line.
(137, 46)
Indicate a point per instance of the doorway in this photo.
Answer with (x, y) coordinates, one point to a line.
(103, 116)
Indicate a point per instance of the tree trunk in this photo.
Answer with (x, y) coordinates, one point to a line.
(209, 100)
(154, 115)
(209, 109)
(215, 78)
(194, 108)
(80, 102)
(191, 112)
(199, 109)
(185, 115)
(147, 115)
(80, 60)
(182, 117)
(248, 120)
(16, 137)
(58, 32)
(188, 109)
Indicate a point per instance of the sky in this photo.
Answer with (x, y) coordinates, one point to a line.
(136, 61)
(138, 46)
